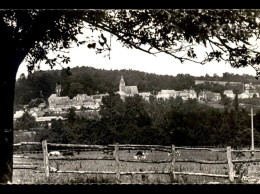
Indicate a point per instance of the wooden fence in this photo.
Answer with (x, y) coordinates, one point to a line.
(116, 147)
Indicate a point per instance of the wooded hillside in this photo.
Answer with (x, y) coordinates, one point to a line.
(88, 80)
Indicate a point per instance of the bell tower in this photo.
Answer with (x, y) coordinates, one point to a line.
(58, 90)
(122, 85)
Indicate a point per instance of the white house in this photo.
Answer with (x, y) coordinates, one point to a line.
(229, 94)
(249, 92)
(18, 114)
(145, 95)
(186, 94)
(166, 94)
(210, 96)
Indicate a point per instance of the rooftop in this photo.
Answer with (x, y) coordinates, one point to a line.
(131, 90)
(228, 91)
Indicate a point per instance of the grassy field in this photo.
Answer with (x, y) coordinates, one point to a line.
(30, 177)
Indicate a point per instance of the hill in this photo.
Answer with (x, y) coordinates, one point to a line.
(88, 80)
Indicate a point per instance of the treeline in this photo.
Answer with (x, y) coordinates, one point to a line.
(231, 77)
(164, 122)
(88, 80)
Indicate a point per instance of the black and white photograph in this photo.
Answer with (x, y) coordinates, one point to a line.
(130, 96)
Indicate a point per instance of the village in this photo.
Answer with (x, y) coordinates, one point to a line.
(58, 105)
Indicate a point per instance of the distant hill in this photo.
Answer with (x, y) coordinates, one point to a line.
(88, 80)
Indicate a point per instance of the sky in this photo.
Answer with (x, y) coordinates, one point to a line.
(124, 58)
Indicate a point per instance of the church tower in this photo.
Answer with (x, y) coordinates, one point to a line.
(122, 85)
(58, 90)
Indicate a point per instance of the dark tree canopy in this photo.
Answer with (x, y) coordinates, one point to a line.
(157, 122)
(173, 31)
(228, 34)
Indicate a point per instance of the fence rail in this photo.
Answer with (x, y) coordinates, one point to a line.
(25, 167)
(62, 145)
(67, 158)
(131, 146)
(143, 172)
(116, 147)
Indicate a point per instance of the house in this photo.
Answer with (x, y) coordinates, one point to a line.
(42, 105)
(92, 106)
(34, 110)
(98, 97)
(48, 119)
(18, 114)
(192, 94)
(82, 98)
(249, 92)
(217, 97)
(243, 95)
(209, 96)
(249, 86)
(145, 95)
(186, 94)
(34, 115)
(40, 113)
(166, 94)
(46, 110)
(229, 94)
(60, 104)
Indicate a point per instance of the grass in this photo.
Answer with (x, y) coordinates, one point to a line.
(30, 177)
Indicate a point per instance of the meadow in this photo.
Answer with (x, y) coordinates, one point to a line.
(28, 176)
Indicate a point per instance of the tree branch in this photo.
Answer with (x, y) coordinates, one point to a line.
(38, 30)
(120, 37)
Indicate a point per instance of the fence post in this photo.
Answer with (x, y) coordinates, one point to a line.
(173, 162)
(230, 165)
(116, 154)
(46, 159)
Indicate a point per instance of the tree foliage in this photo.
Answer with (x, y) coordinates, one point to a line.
(227, 34)
(157, 121)
(26, 122)
(176, 32)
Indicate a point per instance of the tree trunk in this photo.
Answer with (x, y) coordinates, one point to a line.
(14, 48)
(10, 62)
(7, 84)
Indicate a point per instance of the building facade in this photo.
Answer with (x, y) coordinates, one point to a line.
(250, 92)
(229, 94)
(185, 94)
(125, 91)
(209, 96)
(60, 104)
